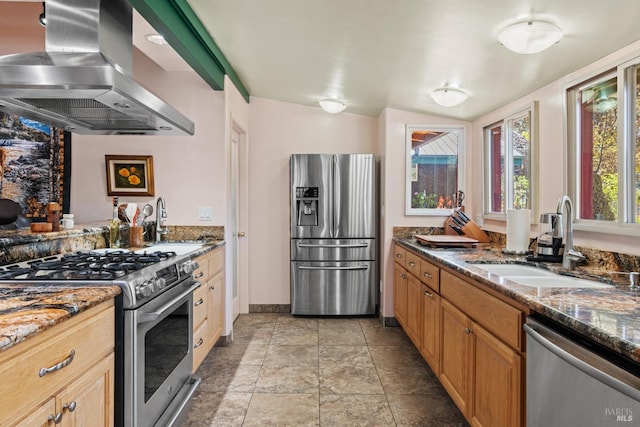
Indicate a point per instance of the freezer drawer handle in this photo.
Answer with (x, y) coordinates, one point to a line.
(348, 245)
(355, 267)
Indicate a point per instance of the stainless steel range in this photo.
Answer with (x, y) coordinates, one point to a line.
(154, 348)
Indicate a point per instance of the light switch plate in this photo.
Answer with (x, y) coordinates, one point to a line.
(204, 213)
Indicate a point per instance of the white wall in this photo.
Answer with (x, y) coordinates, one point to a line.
(189, 171)
(277, 130)
(552, 153)
(393, 123)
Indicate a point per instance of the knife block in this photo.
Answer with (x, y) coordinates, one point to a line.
(470, 229)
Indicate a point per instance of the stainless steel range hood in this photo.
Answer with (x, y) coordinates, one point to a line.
(83, 82)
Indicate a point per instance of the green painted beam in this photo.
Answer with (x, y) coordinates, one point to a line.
(180, 26)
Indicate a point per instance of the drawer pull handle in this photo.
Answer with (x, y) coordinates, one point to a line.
(428, 275)
(403, 276)
(412, 264)
(70, 406)
(427, 294)
(199, 343)
(199, 302)
(398, 255)
(212, 287)
(467, 331)
(199, 275)
(57, 418)
(66, 362)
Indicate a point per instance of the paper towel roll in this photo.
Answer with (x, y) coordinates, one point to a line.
(518, 228)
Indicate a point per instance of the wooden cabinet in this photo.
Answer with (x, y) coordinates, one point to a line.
(472, 339)
(400, 294)
(76, 387)
(482, 374)
(430, 334)
(209, 306)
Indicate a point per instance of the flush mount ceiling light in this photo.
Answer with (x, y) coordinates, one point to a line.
(332, 106)
(529, 36)
(156, 39)
(449, 96)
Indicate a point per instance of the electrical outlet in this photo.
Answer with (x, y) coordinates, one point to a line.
(204, 213)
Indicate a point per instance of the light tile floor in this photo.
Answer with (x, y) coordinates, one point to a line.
(282, 370)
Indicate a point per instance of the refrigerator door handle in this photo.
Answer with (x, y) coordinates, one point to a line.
(355, 267)
(335, 196)
(328, 245)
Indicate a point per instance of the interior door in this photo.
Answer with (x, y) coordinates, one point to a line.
(235, 220)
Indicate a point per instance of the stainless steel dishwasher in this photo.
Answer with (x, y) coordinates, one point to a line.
(572, 381)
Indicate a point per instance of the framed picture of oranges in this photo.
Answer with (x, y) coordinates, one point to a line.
(129, 175)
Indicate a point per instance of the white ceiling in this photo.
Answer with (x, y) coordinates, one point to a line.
(392, 53)
(385, 53)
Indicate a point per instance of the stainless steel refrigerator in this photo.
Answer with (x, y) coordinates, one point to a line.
(333, 234)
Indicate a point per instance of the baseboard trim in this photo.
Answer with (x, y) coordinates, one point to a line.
(269, 308)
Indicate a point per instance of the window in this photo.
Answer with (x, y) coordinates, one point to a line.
(509, 154)
(434, 169)
(604, 147)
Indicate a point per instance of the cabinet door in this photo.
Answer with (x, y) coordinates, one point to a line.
(430, 336)
(497, 382)
(414, 312)
(88, 401)
(40, 416)
(400, 294)
(456, 354)
(215, 288)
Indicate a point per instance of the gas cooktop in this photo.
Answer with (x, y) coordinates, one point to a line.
(142, 274)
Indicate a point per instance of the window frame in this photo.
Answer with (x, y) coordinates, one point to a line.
(625, 71)
(531, 109)
(462, 141)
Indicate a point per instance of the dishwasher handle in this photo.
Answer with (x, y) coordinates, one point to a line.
(585, 360)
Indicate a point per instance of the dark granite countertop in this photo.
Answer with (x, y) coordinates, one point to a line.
(609, 316)
(27, 309)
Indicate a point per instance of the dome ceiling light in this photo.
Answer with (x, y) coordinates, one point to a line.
(529, 37)
(449, 96)
(156, 39)
(332, 106)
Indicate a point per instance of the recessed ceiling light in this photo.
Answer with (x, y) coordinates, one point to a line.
(156, 39)
(332, 106)
(449, 96)
(529, 36)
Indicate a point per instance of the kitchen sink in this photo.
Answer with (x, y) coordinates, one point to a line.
(178, 248)
(526, 275)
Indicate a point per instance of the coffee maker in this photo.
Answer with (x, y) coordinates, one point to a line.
(550, 247)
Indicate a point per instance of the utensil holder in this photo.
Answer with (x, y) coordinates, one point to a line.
(136, 237)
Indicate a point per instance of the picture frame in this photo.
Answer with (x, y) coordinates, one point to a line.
(129, 175)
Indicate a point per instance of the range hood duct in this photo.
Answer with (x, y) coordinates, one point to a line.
(83, 81)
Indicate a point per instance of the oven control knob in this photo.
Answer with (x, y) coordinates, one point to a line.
(190, 266)
(160, 283)
(144, 290)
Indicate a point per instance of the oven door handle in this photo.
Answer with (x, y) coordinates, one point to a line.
(150, 317)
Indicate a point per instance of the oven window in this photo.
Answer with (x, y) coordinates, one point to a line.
(166, 345)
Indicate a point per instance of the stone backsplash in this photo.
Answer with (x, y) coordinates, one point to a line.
(22, 245)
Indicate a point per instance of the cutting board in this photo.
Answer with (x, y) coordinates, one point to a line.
(445, 241)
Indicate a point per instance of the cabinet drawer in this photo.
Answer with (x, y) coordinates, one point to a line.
(90, 335)
(200, 347)
(412, 264)
(502, 320)
(216, 262)
(399, 255)
(202, 272)
(430, 275)
(200, 303)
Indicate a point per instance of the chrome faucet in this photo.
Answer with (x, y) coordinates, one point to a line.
(161, 216)
(570, 256)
